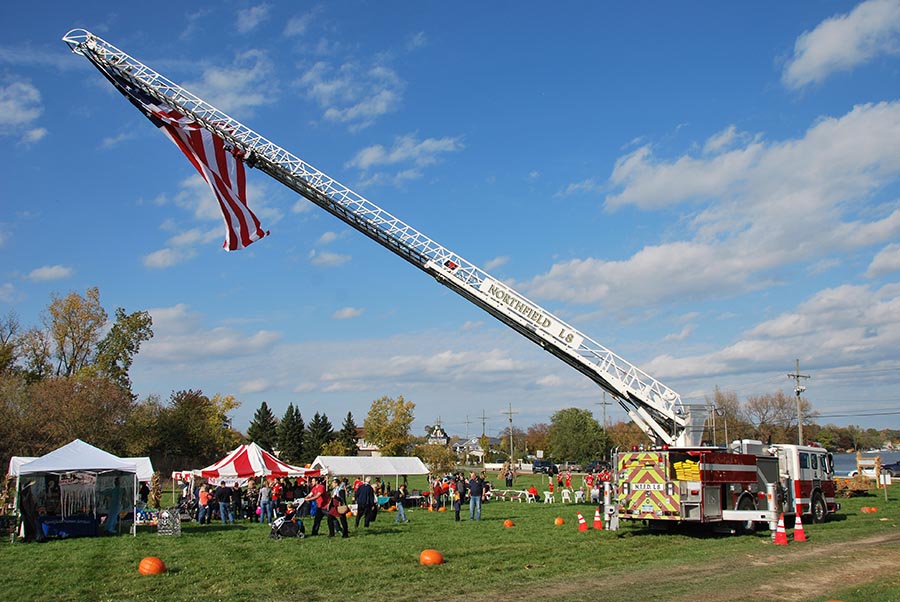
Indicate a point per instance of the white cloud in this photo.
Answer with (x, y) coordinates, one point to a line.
(114, 141)
(34, 135)
(347, 313)
(167, 257)
(886, 261)
(50, 272)
(327, 237)
(244, 86)
(256, 385)
(406, 149)
(687, 331)
(587, 186)
(302, 206)
(845, 41)
(249, 19)
(352, 94)
(416, 41)
(180, 336)
(327, 259)
(298, 24)
(842, 326)
(496, 262)
(20, 106)
(748, 202)
(7, 292)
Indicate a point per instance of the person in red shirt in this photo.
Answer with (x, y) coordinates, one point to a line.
(533, 491)
(319, 495)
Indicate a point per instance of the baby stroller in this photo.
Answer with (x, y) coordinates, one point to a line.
(289, 525)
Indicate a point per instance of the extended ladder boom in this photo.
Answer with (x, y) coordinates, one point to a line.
(656, 408)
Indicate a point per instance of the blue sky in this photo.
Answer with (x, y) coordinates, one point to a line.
(708, 189)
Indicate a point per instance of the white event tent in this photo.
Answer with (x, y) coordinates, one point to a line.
(395, 466)
(81, 471)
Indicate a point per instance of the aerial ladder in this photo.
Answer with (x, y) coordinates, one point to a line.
(654, 407)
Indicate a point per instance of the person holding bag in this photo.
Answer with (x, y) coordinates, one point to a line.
(336, 518)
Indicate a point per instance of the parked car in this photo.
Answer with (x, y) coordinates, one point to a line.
(544, 466)
(892, 469)
(597, 466)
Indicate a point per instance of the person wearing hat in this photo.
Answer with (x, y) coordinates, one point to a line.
(365, 502)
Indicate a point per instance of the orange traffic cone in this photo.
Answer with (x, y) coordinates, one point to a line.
(780, 533)
(598, 521)
(582, 525)
(799, 533)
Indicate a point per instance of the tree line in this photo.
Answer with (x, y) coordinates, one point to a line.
(68, 378)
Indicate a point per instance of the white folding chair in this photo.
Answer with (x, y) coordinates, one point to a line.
(579, 496)
(566, 496)
(530, 497)
(548, 497)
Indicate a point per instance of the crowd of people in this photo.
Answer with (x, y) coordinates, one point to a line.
(265, 500)
(319, 499)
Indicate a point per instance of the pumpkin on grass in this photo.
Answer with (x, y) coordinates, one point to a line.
(559, 521)
(430, 557)
(151, 565)
(509, 523)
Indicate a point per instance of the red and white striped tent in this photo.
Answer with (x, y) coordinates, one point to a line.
(253, 461)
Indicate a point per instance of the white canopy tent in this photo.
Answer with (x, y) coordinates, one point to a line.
(395, 466)
(80, 471)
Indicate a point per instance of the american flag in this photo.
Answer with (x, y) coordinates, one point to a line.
(220, 165)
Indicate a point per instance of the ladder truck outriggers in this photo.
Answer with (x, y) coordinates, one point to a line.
(679, 480)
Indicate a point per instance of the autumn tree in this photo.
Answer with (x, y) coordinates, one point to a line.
(518, 441)
(388, 425)
(318, 433)
(290, 435)
(537, 438)
(626, 435)
(195, 429)
(36, 353)
(440, 459)
(9, 341)
(74, 323)
(92, 408)
(774, 416)
(263, 429)
(116, 351)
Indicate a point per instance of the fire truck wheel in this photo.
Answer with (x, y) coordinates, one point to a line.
(819, 509)
(746, 503)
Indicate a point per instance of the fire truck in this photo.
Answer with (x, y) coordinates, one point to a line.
(678, 481)
(734, 488)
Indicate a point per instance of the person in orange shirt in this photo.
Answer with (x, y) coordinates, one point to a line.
(203, 500)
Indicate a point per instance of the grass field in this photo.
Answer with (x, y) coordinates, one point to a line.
(855, 557)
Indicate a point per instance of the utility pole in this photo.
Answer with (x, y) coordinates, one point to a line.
(467, 427)
(604, 403)
(510, 414)
(798, 389)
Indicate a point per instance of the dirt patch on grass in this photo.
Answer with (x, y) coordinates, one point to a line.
(800, 571)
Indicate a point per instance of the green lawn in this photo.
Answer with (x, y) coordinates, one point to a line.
(484, 560)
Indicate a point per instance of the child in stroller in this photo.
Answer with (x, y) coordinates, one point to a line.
(290, 524)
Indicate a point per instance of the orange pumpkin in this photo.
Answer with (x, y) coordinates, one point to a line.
(508, 523)
(151, 565)
(559, 521)
(442, 509)
(430, 557)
